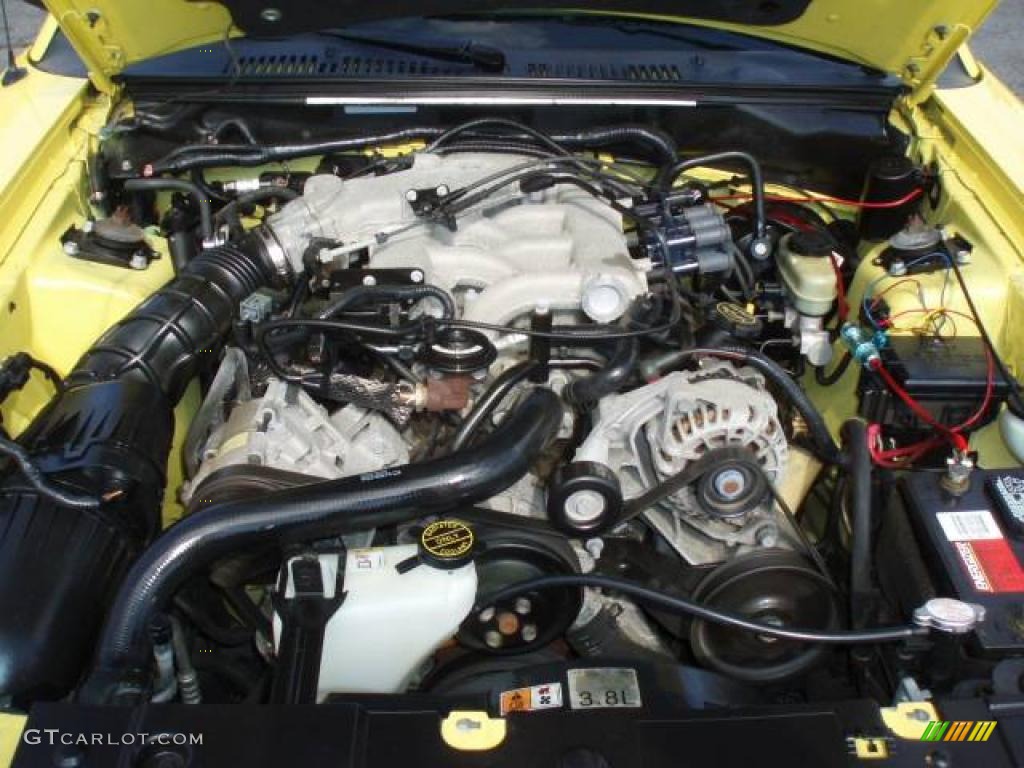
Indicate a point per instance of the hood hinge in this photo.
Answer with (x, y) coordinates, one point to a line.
(938, 49)
(89, 36)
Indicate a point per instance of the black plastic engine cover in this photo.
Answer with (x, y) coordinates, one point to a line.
(60, 565)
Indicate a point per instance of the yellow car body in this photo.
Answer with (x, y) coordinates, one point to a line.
(50, 122)
(56, 307)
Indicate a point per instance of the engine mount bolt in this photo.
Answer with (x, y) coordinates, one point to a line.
(369, 281)
(529, 633)
(139, 261)
(594, 547)
(897, 268)
(493, 639)
(486, 614)
(442, 190)
(523, 606)
(416, 276)
(412, 195)
(71, 248)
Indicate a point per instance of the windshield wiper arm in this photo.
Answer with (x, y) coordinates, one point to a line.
(482, 57)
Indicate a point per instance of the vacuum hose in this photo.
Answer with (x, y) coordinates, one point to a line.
(337, 507)
(588, 391)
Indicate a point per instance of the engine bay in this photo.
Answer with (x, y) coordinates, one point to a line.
(434, 410)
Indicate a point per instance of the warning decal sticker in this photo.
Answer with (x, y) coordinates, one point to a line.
(547, 696)
(969, 526)
(986, 556)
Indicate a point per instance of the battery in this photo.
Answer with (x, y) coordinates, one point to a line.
(972, 551)
(1007, 491)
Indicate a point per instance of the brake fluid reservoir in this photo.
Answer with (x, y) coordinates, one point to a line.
(400, 605)
(805, 265)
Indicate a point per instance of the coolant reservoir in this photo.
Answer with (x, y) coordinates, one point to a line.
(400, 606)
(805, 265)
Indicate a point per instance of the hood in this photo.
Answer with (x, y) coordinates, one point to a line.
(913, 39)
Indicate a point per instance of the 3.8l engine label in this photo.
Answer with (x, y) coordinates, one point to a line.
(603, 688)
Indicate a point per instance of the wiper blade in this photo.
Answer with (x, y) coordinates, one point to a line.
(480, 56)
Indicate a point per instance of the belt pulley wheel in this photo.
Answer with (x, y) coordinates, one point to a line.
(771, 587)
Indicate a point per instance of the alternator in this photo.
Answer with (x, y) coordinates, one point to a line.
(654, 432)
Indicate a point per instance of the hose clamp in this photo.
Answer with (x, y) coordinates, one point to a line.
(275, 254)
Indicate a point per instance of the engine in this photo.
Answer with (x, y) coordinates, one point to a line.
(481, 240)
(468, 407)
(508, 254)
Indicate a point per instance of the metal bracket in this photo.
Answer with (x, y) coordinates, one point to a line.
(938, 49)
(304, 618)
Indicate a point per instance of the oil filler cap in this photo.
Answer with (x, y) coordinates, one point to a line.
(447, 544)
(734, 320)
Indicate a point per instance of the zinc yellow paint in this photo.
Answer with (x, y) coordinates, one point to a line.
(11, 727)
(51, 304)
(908, 719)
(985, 731)
(469, 731)
(970, 137)
(56, 307)
(870, 749)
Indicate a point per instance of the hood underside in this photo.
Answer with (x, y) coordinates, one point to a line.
(911, 38)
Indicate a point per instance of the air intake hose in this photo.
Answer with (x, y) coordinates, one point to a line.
(163, 341)
(106, 437)
(332, 508)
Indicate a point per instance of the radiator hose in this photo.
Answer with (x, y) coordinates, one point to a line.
(336, 507)
(858, 469)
